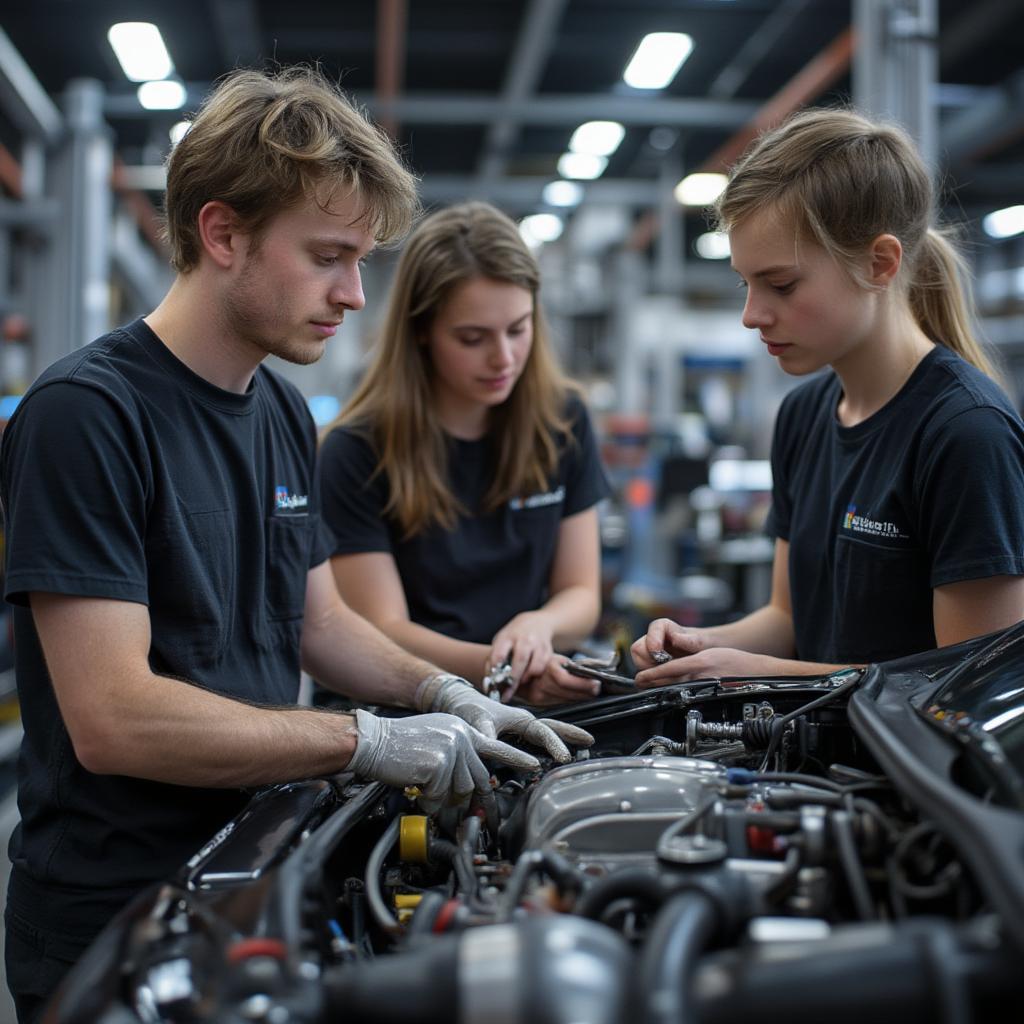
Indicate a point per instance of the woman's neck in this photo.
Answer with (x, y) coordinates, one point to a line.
(874, 373)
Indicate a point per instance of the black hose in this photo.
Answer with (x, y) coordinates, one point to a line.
(631, 883)
(847, 848)
(675, 940)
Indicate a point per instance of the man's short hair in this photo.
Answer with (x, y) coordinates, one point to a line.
(262, 142)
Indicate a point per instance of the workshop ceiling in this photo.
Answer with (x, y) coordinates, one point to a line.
(487, 92)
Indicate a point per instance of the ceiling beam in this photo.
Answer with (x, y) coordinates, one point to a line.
(237, 25)
(547, 109)
(529, 58)
(755, 49)
(24, 99)
(390, 73)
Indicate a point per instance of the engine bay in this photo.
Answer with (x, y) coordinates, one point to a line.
(725, 848)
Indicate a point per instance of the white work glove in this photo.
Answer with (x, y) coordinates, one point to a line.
(452, 694)
(438, 753)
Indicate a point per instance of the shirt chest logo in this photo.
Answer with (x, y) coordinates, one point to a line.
(538, 500)
(285, 501)
(854, 523)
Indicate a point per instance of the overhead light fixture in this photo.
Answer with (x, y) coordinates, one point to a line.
(165, 95)
(1004, 223)
(585, 166)
(140, 50)
(562, 193)
(597, 138)
(657, 59)
(539, 228)
(713, 245)
(178, 131)
(700, 189)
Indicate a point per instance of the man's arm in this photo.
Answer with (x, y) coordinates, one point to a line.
(123, 719)
(369, 584)
(347, 653)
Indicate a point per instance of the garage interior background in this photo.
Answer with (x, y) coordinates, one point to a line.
(483, 96)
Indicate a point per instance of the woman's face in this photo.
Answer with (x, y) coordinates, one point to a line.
(479, 342)
(806, 307)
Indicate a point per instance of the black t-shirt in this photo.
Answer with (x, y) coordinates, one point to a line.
(127, 476)
(468, 582)
(927, 491)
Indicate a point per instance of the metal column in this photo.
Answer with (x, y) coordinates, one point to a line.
(896, 64)
(70, 300)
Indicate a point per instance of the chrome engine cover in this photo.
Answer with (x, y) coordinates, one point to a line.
(613, 809)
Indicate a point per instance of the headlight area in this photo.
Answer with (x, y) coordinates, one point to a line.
(723, 852)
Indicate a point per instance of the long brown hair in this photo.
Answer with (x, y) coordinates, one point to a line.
(394, 401)
(842, 180)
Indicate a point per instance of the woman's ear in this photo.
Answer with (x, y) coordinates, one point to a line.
(218, 233)
(886, 254)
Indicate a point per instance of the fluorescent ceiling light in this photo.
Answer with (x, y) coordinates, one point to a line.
(700, 189)
(539, 228)
(713, 245)
(1004, 223)
(581, 165)
(178, 131)
(140, 49)
(597, 138)
(562, 193)
(657, 59)
(166, 95)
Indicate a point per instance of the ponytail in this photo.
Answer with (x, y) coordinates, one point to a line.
(940, 301)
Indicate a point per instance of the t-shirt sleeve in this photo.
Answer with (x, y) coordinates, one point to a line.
(75, 487)
(971, 483)
(352, 498)
(586, 483)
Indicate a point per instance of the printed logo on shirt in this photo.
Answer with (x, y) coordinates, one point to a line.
(285, 501)
(538, 500)
(854, 523)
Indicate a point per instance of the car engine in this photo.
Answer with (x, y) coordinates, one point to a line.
(726, 849)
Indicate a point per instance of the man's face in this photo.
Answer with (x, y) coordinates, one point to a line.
(298, 280)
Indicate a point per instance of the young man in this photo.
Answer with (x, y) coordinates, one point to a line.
(164, 547)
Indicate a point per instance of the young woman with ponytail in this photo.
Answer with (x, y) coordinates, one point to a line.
(898, 477)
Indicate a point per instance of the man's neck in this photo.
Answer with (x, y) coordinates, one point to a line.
(189, 323)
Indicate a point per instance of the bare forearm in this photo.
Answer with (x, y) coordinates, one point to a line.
(458, 656)
(572, 613)
(172, 731)
(769, 630)
(346, 653)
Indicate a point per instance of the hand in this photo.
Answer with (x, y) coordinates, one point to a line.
(556, 686)
(525, 641)
(439, 753)
(444, 692)
(710, 663)
(666, 639)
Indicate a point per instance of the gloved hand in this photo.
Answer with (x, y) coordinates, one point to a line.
(439, 753)
(452, 694)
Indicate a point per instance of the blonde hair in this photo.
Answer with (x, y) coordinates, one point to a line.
(394, 401)
(843, 180)
(262, 142)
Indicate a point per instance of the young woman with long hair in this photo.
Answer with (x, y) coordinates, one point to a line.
(461, 480)
(898, 477)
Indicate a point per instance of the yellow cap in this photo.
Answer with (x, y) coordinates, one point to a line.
(412, 838)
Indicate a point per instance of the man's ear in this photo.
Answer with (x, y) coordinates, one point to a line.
(219, 233)
(886, 254)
